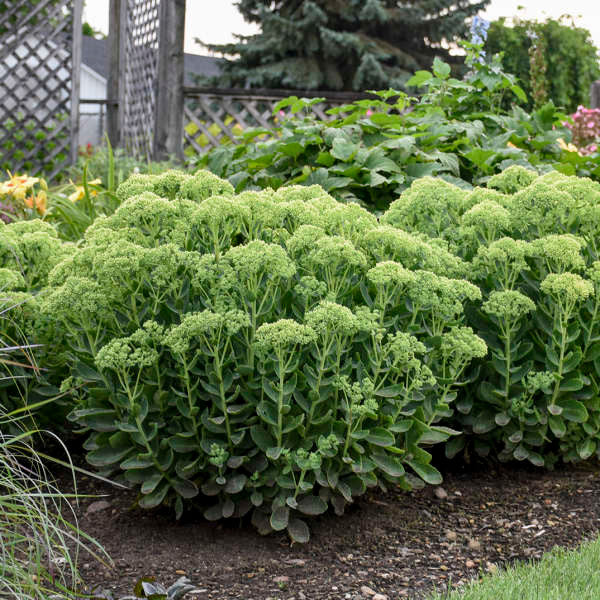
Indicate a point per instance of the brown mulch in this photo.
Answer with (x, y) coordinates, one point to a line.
(398, 544)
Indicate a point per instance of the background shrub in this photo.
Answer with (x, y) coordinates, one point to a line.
(570, 57)
(374, 149)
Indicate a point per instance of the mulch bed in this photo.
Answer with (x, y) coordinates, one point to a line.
(397, 544)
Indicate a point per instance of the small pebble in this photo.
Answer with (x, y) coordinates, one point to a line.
(367, 591)
(440, 493)
(491, 568)
(297, 562)
(97, 506)
(451, 536)
(474, 545)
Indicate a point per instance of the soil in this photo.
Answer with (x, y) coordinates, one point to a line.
(397, 544)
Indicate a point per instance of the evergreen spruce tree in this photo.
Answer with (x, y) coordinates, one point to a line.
(341, 44)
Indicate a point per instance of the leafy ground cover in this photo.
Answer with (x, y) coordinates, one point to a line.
(374, 149)
(399, 544)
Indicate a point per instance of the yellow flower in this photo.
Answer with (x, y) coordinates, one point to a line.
(79, 192)
(567, 147)
(510, 145)
(18, 186)
(41, 202)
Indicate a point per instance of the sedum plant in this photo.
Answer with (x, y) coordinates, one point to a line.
(276, 353)
(266, 353)
(536, 395)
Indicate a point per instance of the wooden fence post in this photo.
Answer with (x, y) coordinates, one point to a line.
(168, 123)
(113, 124)
(595, 94)
(76, 78)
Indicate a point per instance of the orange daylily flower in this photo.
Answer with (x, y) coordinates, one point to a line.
(40, 202)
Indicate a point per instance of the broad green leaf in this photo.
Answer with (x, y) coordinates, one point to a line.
(298, 531)
(391, 391)
(280, 518)
(262, 438)
(186, 489)
(150, 484)
(183, 444)
(380, 437)
(557, 425)
(426, 472)
(155, 498)
(484, 422)
(387, 120)
(137, 462)
(454, 446)
(293, 149)
(573, 410)
(214, 513)
(312, 505)
(441, 69)
(586, 448)
(502, 419)
(520, 452)
(107, 455)
(343, 150)
(419, 78)
(519, 93)
(389, 464)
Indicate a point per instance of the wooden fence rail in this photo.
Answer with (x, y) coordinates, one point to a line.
(213, 116)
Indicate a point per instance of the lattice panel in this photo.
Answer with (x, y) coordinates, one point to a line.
(35, 85)
(140, 75)
(212, 119)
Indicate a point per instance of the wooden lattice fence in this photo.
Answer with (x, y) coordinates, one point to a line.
(139, 41)
(216, 116)
(40, 55)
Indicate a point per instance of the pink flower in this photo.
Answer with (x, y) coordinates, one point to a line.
(593, 148)
(590, 125)
(281, 113)
(369, 112)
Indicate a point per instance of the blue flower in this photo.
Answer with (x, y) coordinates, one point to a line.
(479, 29)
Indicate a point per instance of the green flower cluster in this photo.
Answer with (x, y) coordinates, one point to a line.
(535, 260)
